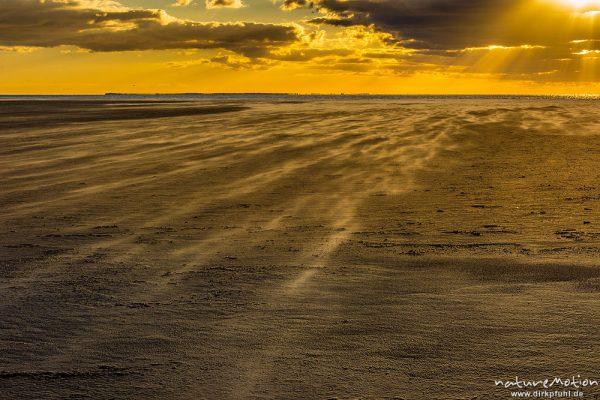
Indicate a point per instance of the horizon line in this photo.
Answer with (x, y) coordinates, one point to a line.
(108, 94)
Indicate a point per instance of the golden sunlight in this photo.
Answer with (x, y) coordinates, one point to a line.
(385, 46)
(582, 5)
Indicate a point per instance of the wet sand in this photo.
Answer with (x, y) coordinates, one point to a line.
(237, 249)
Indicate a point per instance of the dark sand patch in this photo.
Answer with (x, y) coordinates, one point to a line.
(32, 114)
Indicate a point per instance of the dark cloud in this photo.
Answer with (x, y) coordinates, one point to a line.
(513, 39)
(224, 4)
(293, 4)
(456, 24)
(332, 21)
(107, 26)
(428, 23)
(300, 55)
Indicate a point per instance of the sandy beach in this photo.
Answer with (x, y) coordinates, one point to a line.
(297, 247)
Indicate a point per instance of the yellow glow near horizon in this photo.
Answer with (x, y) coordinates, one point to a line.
(576, 3)
(582, 5)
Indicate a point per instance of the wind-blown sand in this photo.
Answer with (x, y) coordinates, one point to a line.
(413, 248)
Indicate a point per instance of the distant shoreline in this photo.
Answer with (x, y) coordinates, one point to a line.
(320, 96)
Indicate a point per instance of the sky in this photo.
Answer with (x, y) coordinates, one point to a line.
(300, 46)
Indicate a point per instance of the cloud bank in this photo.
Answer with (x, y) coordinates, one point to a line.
(224, 4)
(103, 26)
(458, 24)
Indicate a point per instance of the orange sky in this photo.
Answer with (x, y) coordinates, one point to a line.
(335, 46)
